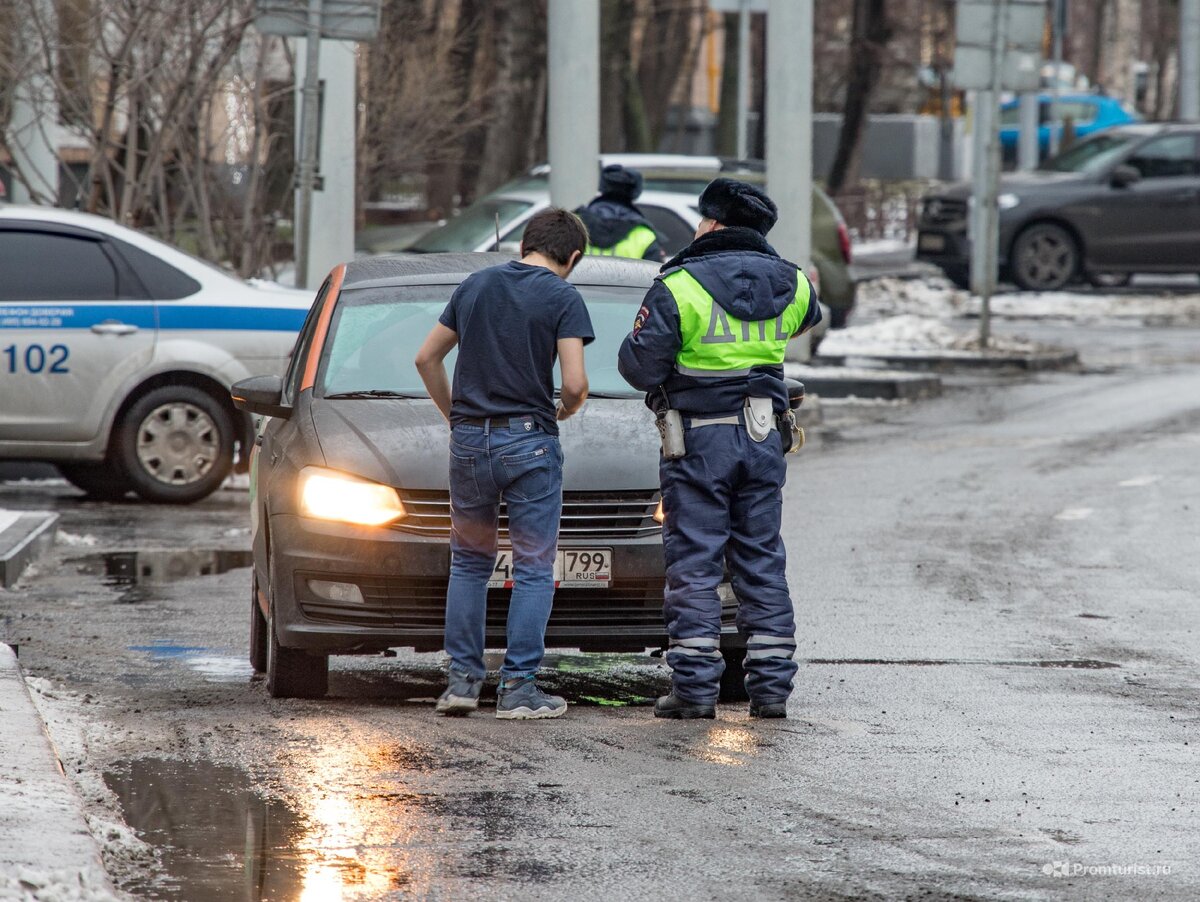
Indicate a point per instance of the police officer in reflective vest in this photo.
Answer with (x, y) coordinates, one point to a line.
(616, 227)
(709, 343)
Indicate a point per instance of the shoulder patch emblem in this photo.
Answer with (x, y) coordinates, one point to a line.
(640, 319)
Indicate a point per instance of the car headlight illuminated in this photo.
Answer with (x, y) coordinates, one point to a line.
(330, 495)
(658, 512)
(1007, 201)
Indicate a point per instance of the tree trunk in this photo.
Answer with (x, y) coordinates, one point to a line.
(514, 121)
(443, 170)
(870, 33)
(727, 124)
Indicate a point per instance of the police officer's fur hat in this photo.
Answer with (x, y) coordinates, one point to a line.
(734, 203)
(618, 182)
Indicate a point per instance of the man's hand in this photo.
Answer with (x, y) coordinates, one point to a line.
(560, 412)
(574, 376)
(430, 363)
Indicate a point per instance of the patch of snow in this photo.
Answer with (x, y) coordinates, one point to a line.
(76, 540)
(937, 297)
(880, 246)
(911, 333)
(69, 885)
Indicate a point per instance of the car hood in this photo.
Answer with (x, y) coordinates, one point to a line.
(610, 445)
(1021, 183)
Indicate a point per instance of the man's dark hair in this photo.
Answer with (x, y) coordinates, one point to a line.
(555, 232)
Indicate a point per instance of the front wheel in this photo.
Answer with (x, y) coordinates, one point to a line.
(291, 672)
(1045, 257)
(176, 444)
(258, 628)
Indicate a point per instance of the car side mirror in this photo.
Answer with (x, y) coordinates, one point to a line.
(1124, 175)
(262, 395)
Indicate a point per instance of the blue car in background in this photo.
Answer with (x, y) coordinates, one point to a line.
(1089, 113)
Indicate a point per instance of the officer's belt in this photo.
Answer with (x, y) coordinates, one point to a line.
(733, 419)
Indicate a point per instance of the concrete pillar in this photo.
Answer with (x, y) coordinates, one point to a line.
(789, 132)
(573, 126)
(332, 226)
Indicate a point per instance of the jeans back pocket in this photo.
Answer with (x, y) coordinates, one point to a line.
(464, 485)
(533, 474)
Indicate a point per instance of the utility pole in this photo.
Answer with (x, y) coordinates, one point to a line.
(789, 129)
(1189, 60)
(1028, 145)
(308, 141)
(743, 80)
(1058, 22)
(574, 102)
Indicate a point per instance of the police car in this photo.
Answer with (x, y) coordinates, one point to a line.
(117, 352)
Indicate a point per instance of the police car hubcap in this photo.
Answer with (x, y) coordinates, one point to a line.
(177, 443)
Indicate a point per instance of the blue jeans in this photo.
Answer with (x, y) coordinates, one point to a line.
(516, 461)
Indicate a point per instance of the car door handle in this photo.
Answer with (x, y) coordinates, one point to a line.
(113, 327)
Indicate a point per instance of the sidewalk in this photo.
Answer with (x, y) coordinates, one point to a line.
(46, 849)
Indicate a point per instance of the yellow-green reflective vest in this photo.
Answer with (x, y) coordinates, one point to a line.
(716, 344)
(632, 245)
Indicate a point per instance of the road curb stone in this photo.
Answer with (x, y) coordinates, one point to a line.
(46, 849)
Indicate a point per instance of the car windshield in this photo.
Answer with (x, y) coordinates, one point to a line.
(375, 333)
(1092, 155)
(470, 228)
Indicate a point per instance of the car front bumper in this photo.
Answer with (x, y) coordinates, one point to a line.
(403, 578)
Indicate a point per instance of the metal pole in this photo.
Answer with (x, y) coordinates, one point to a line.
(1189, 60)
(789, 148)
(574, 102)
(308, 141)
(1059, 10)
(990, 218)
(1027, 148)
(743, 80)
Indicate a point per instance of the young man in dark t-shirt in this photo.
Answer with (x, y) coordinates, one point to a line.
(510, 323)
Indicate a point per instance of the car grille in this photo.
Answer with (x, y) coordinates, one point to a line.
(586, 515)
(419, 603)
(943, 211)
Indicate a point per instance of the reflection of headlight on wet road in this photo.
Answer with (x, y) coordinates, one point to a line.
(329, 495)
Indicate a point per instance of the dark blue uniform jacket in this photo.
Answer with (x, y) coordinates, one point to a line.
(609, 220)
(750, 281)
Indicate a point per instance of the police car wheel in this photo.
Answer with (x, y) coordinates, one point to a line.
(176, 444)
(291, 672)
(100, 482)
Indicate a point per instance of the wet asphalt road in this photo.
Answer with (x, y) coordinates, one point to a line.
(996, 594)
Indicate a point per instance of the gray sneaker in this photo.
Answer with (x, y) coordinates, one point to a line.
(461, 696)
(523, 700)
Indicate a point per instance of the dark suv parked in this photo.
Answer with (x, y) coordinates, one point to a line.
(1123, 201)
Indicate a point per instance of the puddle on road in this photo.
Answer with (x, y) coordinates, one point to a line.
(136, 572)
(219, 837)
(1069, 663)
(216, 668)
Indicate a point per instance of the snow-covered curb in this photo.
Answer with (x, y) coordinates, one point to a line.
(937, 297)
(909, 333)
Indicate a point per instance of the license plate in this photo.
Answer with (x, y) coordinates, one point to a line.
(574, 568)
(931, 242)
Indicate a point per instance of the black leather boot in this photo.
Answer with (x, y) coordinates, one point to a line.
(676, 708)
(772, 709)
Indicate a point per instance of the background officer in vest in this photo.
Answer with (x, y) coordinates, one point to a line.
(709, 342)
(616, 227)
